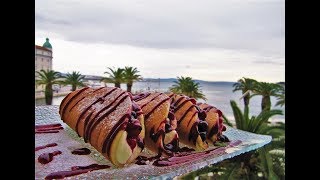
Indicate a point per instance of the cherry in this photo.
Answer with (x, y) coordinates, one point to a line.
(202, 115)
(202, 126)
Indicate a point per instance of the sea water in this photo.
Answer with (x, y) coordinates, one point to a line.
(218, 94)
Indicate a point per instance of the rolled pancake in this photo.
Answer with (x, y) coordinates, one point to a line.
(160, 124)
(215, 122)
(108, 119)
(192, 128)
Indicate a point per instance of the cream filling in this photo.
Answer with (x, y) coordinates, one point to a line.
(201, 145)
(120, 150)
(143, 130)
(169, 137)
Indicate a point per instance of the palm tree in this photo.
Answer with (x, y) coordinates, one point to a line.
(262, 158)
(131, 75)
(48, 78)
(116, 76)
(255, 124)
(281, 100)
(188, 87)
(281, 97)
(266, 90)
(75, 79)
(245, 85)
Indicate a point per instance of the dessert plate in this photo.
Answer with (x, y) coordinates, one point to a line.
(67, 140)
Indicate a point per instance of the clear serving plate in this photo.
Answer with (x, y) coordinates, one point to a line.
(68, 140)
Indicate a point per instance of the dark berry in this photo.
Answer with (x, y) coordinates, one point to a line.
(202, 115)
(193, 101)
(202, 126)
(134, 114)
(135, 107)
(224, 128)
(224, 138)
(168, 127)
(198, 108)
(134, 128)
(171, 116)
(219, 112)
(203, 135)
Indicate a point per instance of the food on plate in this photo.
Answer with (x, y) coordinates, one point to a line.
(192, 126)
(160, 123)
(215, 123)
(108, 119)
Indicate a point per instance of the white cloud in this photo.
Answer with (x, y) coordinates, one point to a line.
(210, 40)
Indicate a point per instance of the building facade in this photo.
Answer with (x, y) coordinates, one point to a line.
(43, 60)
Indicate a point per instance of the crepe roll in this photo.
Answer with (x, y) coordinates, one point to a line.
(160, 123)
(108, 119)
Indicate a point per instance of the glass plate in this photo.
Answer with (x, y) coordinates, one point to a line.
(68, 140)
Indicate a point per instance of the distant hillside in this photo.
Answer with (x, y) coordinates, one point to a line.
(93, 77)
(174, 79)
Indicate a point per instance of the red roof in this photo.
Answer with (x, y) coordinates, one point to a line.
(42, 48)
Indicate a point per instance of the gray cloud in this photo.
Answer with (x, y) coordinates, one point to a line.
(243, 25)
(268, 62)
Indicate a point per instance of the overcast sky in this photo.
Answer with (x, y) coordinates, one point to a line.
(211, 40)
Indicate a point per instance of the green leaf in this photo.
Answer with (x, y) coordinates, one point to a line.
(264, 116)
(226, 120)
(238, 116)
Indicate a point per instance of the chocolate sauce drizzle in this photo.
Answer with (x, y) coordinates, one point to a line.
(48, 128)
(62, 111)
(154, 136)
(93, 118)
(75, 170)
(218, 127)
(178, 101)
(183, 155)
(186, 112)
(81, 151)
(179, 158)
(94, 122)
(141, 96)
(46, 132)
(45, 146)
(155, 107)
(45, 158)
(158, 94)
(181, 104)
(119, 125)
(99, 99)
(195, 130)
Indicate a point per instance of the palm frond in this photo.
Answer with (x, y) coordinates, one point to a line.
(188, 87)
(264, 116)
(238, 116)
(226, 120)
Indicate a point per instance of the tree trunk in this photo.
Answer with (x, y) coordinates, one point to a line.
(74, 87)
(129, 87)
(117, 85)
(246, 99)
(266, 103)
(48, 94)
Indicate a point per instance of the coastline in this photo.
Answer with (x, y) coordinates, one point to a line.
(217, 94)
